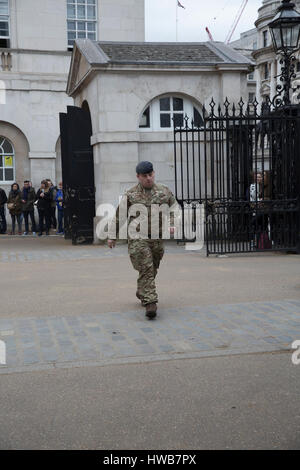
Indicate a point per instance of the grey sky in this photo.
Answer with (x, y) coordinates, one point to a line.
(218, 15)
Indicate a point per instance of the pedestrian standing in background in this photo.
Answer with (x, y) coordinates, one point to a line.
(43, 197)
(28, 198)
(14, 205)
(53, 189)
(3, 200)
(60, 208)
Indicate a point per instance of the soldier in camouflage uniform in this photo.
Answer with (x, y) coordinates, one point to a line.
(146, 254)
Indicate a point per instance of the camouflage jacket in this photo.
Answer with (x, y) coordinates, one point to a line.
(144, 199)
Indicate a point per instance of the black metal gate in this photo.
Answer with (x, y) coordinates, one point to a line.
(244, 168)
(78, 175)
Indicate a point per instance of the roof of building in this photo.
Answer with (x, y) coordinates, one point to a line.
(89, 56)
(208, 53)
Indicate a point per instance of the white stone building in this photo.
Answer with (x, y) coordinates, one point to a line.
(36, 42)
(246, 45)
(257, 42)
(267, 63)
(134, 90)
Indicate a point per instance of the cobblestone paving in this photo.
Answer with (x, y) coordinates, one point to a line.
(52, 255)
(73, 253)
(67, 341)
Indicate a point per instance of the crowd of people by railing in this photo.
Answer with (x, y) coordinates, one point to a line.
(21, 204)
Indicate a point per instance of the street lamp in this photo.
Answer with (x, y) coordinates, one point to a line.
(285, 33)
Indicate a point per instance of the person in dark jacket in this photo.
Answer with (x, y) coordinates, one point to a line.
(53, 190)
(43, 198)
(14, 205)
(3, 200)
(28, 198)
(60, 208)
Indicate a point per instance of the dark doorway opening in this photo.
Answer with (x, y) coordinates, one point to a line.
(78, 174)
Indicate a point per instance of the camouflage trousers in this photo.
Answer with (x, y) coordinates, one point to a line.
(145, 256)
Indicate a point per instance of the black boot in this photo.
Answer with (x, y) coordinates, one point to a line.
(151, 310)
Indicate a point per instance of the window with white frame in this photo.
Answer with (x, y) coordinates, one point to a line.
(165, 112)
(7, 161)
(81, 20)
(251, 98)
(266, 71)
(4, 23)
(265, 38)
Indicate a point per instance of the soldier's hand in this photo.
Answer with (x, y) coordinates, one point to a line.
(111, 243)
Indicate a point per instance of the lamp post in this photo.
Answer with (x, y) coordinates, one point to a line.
(285, 33)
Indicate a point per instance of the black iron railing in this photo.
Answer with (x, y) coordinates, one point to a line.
(243, 166)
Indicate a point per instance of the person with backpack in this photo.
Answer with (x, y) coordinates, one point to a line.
(14, 205)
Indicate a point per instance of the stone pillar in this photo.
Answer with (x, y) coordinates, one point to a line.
(258, 85)
(278, 72)
(42, 165)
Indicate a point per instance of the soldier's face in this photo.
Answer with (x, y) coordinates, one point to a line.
(147, 180)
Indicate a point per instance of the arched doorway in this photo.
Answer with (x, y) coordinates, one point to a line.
(14, 155)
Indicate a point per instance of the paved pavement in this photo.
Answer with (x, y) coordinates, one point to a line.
(86, 370)
(89, 332)
(238, 402)
(64, 341)
(25, 249)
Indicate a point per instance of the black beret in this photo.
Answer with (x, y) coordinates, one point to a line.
(144, 168)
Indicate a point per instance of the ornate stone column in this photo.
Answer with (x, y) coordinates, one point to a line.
(258, 85)
(273, 80)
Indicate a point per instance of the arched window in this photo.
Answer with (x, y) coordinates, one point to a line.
(161, 112)
(7, 161)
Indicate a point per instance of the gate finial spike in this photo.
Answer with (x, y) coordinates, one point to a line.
(186, 118)
(241, 106)
(255, 106)
(226, 104)
(212, 105)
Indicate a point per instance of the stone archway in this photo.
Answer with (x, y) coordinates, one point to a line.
(21, 151)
